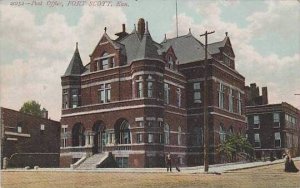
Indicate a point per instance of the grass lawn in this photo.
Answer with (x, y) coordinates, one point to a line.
(269, 176)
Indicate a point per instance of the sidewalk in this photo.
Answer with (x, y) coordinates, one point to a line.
(217, 168)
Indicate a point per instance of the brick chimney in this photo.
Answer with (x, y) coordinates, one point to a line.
(44, 113)
(141, 26)
(264, 95)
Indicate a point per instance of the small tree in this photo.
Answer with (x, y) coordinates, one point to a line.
(32, 107)
(233, 145)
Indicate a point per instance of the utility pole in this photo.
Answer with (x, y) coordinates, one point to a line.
(176, 21)
(205, 104)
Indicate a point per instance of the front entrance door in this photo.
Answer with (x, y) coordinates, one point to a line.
(99, 138)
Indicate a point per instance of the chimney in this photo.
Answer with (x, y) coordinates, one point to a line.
(264, 95)
(141, 26)
(44, 113)
(123, 28)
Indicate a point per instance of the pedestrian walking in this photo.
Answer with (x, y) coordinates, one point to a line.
(289, 165)
(169, 162)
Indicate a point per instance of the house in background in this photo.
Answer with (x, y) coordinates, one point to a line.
(138, 99)
(27, 140)
(272, 128)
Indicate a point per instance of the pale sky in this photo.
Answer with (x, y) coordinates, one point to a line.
(37, 42)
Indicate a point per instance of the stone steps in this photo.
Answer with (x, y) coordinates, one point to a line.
(91, 162)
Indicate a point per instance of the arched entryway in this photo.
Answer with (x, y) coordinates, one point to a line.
(78, 138)
(99, 137)
(122, 132)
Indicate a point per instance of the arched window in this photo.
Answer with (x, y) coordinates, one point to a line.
(167, 134)
(122, 129)
(179, 135)
(78, 137)
(222, 133)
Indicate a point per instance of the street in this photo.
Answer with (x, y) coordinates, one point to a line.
(266, 176)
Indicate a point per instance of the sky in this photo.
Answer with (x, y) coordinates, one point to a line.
(37, 41)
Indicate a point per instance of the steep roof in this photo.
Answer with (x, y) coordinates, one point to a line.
(75, 66)
(214, 48)
(148, 48)
(140, 47)
(187, 48)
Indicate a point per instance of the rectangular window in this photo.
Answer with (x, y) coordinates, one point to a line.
(63, 137)
(150, 138)
(141, 123)
(104, 64)
(178, 97)
(139, 138)
(277, 143)
(221, 96)
(256, 122)
(150, 89)
(161, 138)
(19, 129)
(276, 117)
(230, 98)
(166, 93)
(75, 98)
(104, 93)
(257, 143)
(276, 120)
(65, 99)
(197, 92)
(42, 127)
(239, 103)
(107, 92)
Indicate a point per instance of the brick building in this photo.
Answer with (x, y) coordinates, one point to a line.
(139, 99)
(272, 128)
(28, 140)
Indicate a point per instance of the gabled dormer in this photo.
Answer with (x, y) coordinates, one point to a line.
(171, 59)
(228, 53)
(223, 52)
(107, 54)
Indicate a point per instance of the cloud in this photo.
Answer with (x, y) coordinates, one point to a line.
(279, 73)
(281, 18)
(49, 47)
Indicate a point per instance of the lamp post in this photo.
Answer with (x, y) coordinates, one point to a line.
(205, 102)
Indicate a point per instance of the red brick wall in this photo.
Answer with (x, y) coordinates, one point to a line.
(38, 144)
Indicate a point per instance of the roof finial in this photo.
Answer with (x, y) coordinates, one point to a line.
(226, 33)
(190, 32)
(165, 36)
(105, 28)
(134, 27)
(76, 45)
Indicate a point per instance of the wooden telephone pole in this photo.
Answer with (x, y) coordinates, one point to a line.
(205, 104)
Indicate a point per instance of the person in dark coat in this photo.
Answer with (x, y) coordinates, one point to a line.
(289, 165)
(169, 162)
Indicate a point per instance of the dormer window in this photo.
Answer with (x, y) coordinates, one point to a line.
(171, 63)
(106, 61)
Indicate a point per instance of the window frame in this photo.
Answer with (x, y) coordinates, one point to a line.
(256, 122)
(276, 133)
(255, 141)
